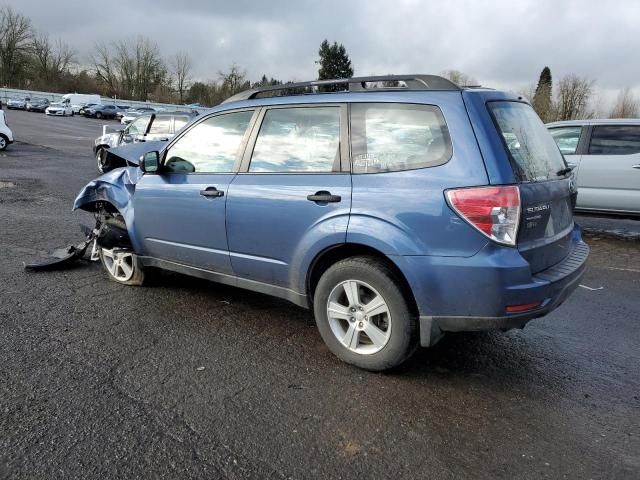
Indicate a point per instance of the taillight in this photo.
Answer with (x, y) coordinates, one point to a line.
(494, 211)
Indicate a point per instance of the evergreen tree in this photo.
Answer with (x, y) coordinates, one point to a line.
(542, 102)
(334, 63)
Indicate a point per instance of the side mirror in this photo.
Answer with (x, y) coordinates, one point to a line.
(126, 138)
(150, 162)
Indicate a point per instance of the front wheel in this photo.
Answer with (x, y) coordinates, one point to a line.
(363, 316)
(122, 266)
(101, 160)
(98, 115)
(4, 141)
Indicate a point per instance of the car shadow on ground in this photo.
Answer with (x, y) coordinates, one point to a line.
(514, 357)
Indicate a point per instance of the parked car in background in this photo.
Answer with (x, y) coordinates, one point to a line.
(101, 111)
(85, 107)
(59, 109)
(77, 100)
(6, 135)
(18, 103)
(37, 104)
(134, 113)
(395, 214)
(147, 127)
(605, 156)
(121, 110)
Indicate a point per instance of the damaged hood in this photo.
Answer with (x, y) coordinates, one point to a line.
(131, 152)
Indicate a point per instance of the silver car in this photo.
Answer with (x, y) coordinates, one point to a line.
(605, 155)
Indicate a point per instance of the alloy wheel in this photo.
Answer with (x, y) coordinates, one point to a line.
(119, 264)
(359, 317)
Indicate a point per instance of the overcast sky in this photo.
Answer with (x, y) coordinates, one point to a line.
(501, 43)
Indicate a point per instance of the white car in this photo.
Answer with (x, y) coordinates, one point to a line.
(61, 109)
(6, 135)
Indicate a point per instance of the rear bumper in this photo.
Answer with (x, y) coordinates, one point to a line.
(472, 294)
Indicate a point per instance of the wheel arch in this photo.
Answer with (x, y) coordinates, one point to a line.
(331, 255)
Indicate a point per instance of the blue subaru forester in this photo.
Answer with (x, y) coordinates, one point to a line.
(397, 208)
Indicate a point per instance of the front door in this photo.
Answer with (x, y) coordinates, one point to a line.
(180, 212)
(293, 195)
(609, 172)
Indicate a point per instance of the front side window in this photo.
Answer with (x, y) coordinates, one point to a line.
(303, 139)
(138, 126)
(534, 154)
(211, 146)
(389, 137)
(566, 138)
(615, 140)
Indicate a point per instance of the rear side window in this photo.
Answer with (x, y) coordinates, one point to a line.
(180, 122)
(388, 137)
(615, 140)
(566, 138)
(160, 125)
(534, 154)
(298, 140)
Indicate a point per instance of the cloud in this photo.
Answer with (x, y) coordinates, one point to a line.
(501, 43)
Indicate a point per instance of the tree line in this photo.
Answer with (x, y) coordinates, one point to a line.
(136, 69)
(133, 69)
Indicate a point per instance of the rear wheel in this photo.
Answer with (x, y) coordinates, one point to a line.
(363, 316)
(4, 141)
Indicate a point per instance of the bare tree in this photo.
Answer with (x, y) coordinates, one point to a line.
(15, 40)
(51, 61)
(626, 105)
(574, 93)
(181, 70)
(234, 81)
(459, 78)
(105, 68)
(132, 69)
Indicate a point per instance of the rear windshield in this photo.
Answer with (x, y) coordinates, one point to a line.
(535, 155)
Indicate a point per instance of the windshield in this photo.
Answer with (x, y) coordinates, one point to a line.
(56, 104)
(534, 153)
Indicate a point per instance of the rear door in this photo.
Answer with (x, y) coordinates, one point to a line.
(609, 173)
(547, 190)
(293, 194)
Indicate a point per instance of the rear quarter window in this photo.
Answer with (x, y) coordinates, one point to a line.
(389, 137)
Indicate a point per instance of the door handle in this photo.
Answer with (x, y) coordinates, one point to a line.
(636, 166)
(324, 197)
(211, 192)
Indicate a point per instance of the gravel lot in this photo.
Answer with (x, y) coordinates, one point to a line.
(189, 379)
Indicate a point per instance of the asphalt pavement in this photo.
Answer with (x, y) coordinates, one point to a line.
(189, 379)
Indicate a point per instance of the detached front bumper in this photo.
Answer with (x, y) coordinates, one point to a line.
(472, 294)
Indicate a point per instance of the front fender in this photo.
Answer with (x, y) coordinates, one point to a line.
(116, 188)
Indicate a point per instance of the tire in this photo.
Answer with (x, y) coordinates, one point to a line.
(4, 142)
(395, 336)
(122, 266)
(101, 164)
(73, 113)
(98, 115)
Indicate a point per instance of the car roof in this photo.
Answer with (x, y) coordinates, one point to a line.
(595, 121)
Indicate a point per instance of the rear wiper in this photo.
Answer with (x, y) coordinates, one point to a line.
(564, 171)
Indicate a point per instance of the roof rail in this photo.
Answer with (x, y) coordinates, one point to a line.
(355, 84)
